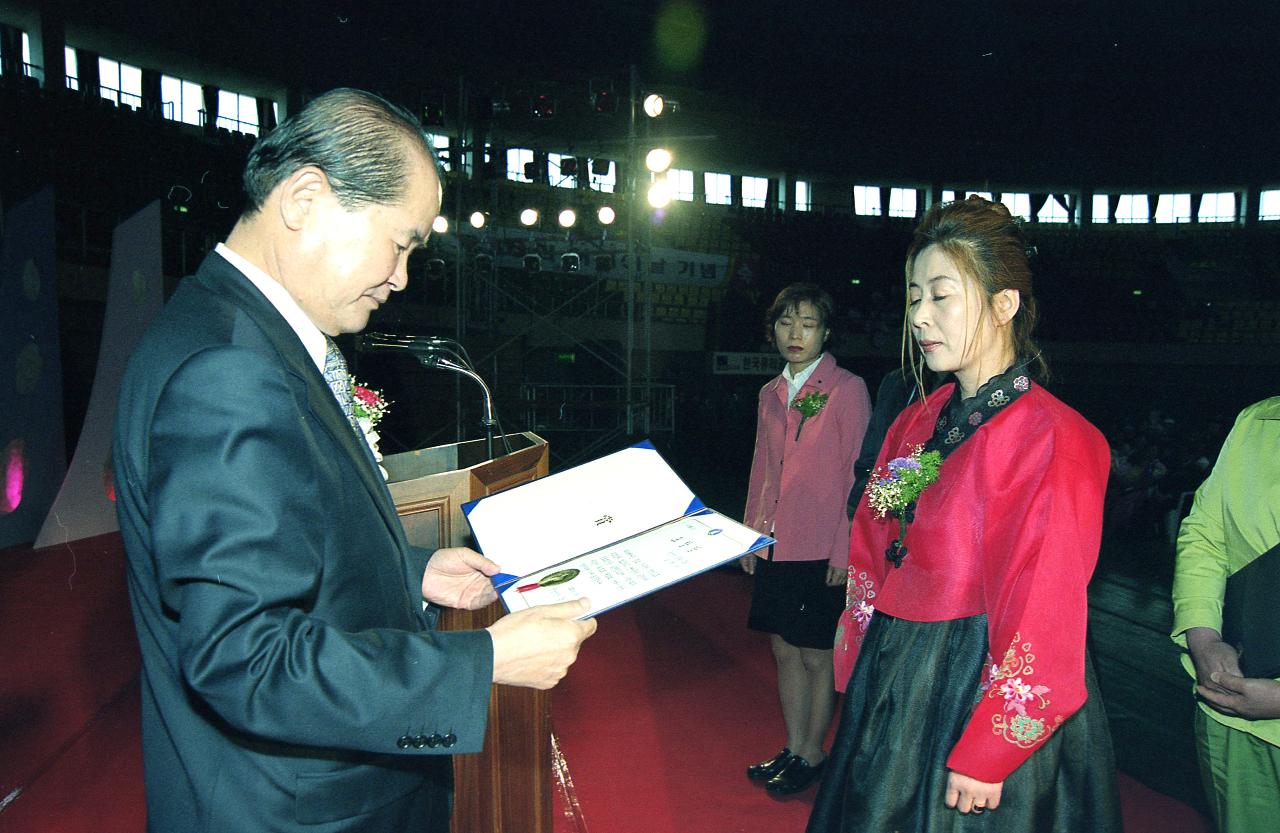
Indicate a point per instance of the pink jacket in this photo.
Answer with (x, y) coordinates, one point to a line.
(799, 488)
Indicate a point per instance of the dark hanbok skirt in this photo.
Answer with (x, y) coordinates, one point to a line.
(910, 697)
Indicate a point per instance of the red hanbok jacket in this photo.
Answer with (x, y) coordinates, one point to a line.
(1010, 529)
(799, 488)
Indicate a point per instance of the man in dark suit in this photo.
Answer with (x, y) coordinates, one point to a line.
(291, 677)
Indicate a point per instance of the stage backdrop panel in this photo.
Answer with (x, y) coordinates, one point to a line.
(32, 450)
(135, 292)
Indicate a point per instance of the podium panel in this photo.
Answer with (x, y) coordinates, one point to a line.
(506, 788)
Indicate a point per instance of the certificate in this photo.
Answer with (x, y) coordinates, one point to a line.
(612, 530)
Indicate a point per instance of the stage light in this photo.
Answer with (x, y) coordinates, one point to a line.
(604, 100)
(532, 263)
(606, 215)
(570, 262)
(660, 193)
(569, 166)
(484, 262)
(543, 107)
(600, 167)
(658, 160)
(440, 225)
(529, 217)
(654, 104)
(435, 267)
(604, 263)
(478, 219)
(567, 218)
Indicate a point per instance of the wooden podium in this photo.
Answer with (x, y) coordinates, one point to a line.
(507, 787)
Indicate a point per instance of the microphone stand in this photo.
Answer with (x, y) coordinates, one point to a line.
(437, 360)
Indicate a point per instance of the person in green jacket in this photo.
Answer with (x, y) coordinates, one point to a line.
(1235, 518)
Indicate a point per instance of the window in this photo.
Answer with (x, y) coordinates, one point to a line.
(902, 202)
(556, 165)
(237, 111)
(1132, 208)
(28, 69)
(986, 195)
(73, 68)
(119, 82)
(755, 191)
(517, 158)
(1053, 210)
(1101, 208)
(804, 197)
(1019, 205)
(440, 144)
(719, 188)
(1218, 208)
(948, 196)
(1173, 208)
(603, 181)
(183, 100)
(866, 200)
(681, 182)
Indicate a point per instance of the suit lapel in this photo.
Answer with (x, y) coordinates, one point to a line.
(220, 277)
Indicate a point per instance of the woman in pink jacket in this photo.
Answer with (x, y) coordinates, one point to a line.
(809, 430)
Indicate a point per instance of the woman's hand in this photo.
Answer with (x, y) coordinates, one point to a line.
(969, 795)
(748, 563)
(835, 576)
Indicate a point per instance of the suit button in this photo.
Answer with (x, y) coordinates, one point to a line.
(449, 740)
(420, 741)
(434, 740)
(404, 742)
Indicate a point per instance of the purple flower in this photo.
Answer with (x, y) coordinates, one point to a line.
(899, 463)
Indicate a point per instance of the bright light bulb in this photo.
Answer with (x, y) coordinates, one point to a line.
(529, 217)
(477, 219)
(606, 215)
(660, 194)
(653, 105)
(440, 225)
(567, 218)
(658, 160)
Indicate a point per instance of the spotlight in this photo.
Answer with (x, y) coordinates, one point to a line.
(435, 267)
(543, 107)
(570, 262)
(484, 262)
(658, 160)
(600, 167)
(606, 215)
(604, 100)
(532, 263)
(529, 217)
(569, 166)
(567, 218)
(656, 105)
(535, 172)
(660, 193)
(478, 219)
(604, 263)
(440, 225)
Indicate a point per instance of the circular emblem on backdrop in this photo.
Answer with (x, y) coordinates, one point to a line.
(31, 280)
(27, 369)
(139, 283)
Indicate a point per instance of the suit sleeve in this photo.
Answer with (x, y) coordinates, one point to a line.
(1035, 580)
(755, 515)
(854, 415)
(243, 512)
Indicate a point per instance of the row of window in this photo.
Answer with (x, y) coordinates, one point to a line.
(1128, 208)
(182, 100)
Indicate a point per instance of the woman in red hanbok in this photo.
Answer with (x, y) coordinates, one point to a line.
(972, 703)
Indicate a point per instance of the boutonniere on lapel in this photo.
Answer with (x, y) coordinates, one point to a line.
(370, 407)
(896, 486)
(809, 405)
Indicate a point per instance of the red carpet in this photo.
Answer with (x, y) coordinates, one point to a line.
(669, 701)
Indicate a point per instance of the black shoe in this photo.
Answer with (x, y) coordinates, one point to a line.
(796, 776)
(765, 770)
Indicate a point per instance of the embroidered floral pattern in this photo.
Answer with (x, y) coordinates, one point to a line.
(998, 398)
(1010, 681)
(975, 418)
(1021, 384)
(954, 436)
(861, 590)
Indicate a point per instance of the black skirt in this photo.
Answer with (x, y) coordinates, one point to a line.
(909, 700)
(792, 600)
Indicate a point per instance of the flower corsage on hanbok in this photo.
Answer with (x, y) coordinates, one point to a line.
(370, 407)
(809, 405)
(895, 488)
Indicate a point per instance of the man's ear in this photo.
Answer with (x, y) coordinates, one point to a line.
(1005, 304)
(298, 195)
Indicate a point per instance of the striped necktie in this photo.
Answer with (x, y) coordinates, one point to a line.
(339, 379)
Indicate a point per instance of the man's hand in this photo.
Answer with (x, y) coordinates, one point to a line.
(1209, 654)
(1253, 698)
(748, 563)
(534, 648)
(969, 795)
(459, 577)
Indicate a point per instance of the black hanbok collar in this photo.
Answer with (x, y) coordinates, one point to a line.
(961, 418)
